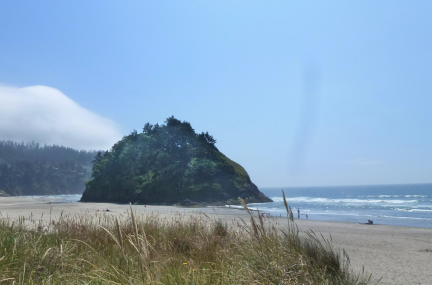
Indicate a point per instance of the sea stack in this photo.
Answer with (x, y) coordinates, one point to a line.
(169, 164)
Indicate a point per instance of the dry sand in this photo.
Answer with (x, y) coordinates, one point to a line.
(400, 255)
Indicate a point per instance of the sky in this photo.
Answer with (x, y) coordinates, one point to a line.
(300, 93)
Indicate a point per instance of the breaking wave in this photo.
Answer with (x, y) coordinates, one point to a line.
(343, 201)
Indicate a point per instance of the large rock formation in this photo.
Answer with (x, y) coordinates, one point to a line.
(169, 164)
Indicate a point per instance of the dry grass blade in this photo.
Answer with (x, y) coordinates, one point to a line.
(135, 228)
(261, 222)
(145, 243)
(120, 236)
(291, 215)
(112, 236)
(80, 241)
(288, 208)
(46, 252)
(243, 203)
(285, 202)
(253, 223)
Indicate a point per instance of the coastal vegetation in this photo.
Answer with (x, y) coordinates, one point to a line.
(31, 169)
(176, 248)
(169, 164)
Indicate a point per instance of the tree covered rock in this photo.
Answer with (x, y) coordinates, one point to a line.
(168, 164)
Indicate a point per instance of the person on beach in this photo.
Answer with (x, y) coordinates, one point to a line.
(298, 213)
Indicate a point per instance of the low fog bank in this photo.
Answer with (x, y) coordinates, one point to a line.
(46, 115)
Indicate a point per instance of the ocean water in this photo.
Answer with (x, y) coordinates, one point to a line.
(403, 205)
(70, 198)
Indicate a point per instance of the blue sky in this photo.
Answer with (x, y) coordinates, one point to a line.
(301, 93)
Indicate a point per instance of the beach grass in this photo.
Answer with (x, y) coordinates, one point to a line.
(157, 248)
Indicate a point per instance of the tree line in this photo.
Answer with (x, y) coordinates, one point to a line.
(32, 169)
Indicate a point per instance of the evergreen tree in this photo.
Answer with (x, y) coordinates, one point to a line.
(29, 169)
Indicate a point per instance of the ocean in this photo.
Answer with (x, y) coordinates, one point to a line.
(66, 198)
(402, 205)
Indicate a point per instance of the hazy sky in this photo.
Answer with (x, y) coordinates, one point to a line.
(301, 93)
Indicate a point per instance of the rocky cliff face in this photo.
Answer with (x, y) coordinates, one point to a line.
(169, 164)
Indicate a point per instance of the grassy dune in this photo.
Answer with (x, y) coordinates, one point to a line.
(165, 249)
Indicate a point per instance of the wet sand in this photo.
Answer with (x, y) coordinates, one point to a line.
(400, 255)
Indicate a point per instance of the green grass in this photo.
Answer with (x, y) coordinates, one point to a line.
(165, 249)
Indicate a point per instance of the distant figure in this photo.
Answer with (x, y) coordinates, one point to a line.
(298, 213)
(145, 206)
(307, 216)
(369, 222)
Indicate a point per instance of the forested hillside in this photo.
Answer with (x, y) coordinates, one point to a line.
(168, 164)
(31, 169)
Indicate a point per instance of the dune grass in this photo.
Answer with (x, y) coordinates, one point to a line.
(165, 249)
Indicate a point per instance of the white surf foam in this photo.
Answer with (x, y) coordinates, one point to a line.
(341, 201)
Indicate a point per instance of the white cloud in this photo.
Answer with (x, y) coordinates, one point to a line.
(362, 161)
(46, 115)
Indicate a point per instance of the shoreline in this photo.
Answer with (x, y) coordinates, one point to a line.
(320, 218)
(399, 254)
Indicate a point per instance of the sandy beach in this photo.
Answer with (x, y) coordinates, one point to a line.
(400, 255)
